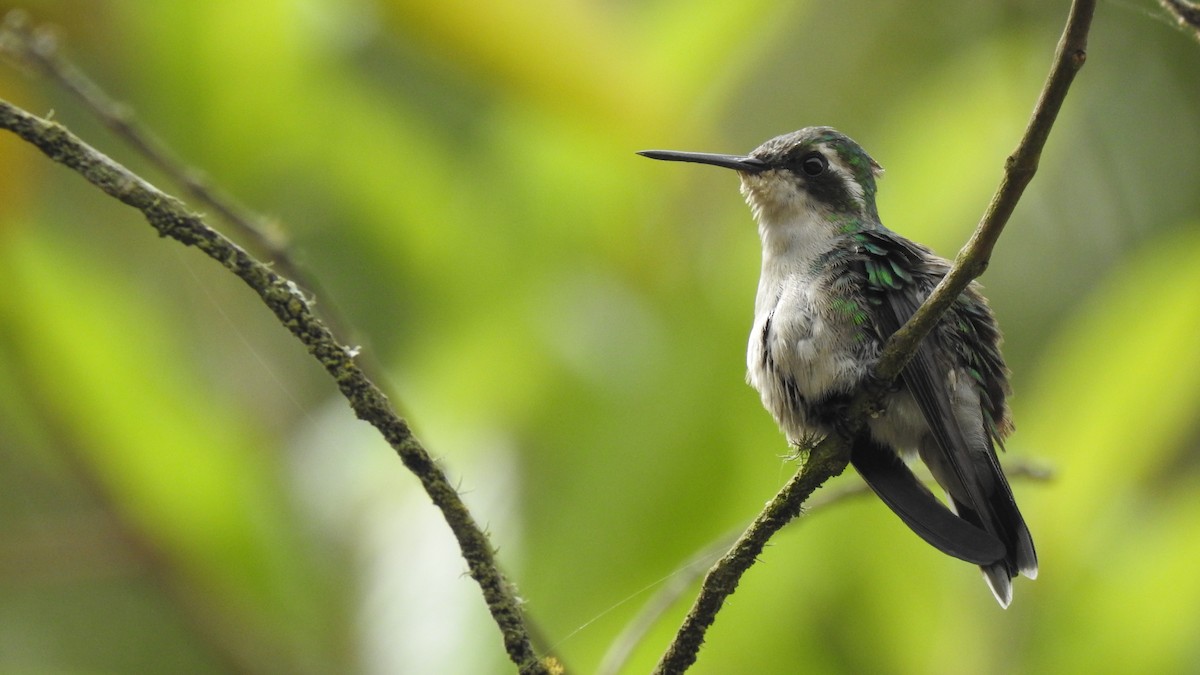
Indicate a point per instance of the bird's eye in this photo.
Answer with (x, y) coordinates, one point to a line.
(814, 164)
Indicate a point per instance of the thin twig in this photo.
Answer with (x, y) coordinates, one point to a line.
(1019, 168)
(826, 460)
(1187, 14)
(172, 219)
(830, 456)
(694, 568)
(690, 571)
(38, 49)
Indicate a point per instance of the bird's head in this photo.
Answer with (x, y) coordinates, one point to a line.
(816, 172)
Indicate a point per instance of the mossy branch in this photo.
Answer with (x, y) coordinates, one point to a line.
(172, 219)
(830, 457)
(37, 48)
(692, 570)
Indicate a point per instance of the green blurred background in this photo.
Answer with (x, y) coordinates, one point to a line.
(182, 490)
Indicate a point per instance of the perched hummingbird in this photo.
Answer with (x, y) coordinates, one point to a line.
(835, 285)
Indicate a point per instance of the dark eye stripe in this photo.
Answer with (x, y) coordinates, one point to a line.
(830, 186)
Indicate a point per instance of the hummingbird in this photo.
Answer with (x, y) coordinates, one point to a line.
(835, 284)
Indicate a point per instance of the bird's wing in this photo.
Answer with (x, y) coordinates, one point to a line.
(930, 387)
(898, 278)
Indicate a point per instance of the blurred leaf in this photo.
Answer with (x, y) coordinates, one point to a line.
(566, 324)
(180, 467)
(1113, 405)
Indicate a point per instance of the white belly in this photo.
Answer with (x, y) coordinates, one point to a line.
(802, 349)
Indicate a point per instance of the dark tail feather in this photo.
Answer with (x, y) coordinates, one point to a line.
(1004, 520)
(896, 485)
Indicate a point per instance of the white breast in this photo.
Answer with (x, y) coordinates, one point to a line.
(802, 347)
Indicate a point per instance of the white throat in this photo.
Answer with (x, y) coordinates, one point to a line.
(793, 241)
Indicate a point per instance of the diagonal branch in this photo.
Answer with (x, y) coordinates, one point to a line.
(830, 456)
(171, 219)
(691, 570)
(38, 49)
(1019, 168)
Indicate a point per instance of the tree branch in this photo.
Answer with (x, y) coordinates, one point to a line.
(826, 460)
(691, 570)
(1019, 168)
(172, 219)
(37, 48)
(830, 456)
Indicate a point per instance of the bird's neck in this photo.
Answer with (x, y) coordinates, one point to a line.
(798, 241)
(796, 248)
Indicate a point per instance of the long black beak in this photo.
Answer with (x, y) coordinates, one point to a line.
(742, 163)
